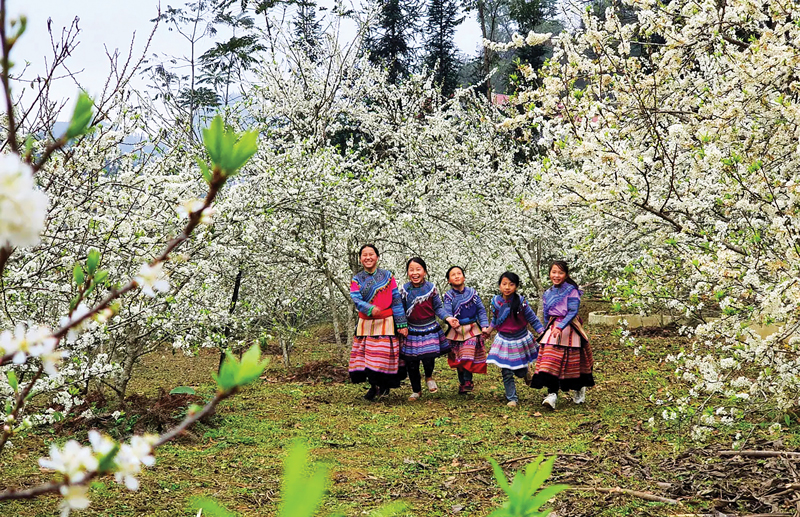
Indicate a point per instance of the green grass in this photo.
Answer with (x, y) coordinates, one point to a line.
(393, 449)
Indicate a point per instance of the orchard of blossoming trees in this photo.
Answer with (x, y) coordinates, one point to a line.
(657, 149)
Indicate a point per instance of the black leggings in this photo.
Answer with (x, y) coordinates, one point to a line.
(412, 365)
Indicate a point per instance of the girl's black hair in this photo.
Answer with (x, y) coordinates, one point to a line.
(515, 300)
(416, 260)
(365, 246)
(447, 276)
(562, 265)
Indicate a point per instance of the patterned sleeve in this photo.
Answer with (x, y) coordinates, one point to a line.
(483, 320)
(355, 293)
(531, 317)
(495, 311)
(448, 304)
(573, 304)
(438, 307)
(397, 306)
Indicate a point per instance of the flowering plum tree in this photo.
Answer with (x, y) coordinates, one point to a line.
(678, 132)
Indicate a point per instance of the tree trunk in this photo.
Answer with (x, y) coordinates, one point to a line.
(331, 291)
(487, 61)
(285, 346)
(234, 298)
(531, 257)
(133, 348)
(337, 332)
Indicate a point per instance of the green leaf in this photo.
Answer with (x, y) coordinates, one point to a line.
(213, 140)
(106, 463)
(77, 275)
(301, 493)
(29, 145)
(210, 507)
(243, 150)
(233, 373)
(204, 170)
(499, 475)
(226, 377)
(80, 117)
(12, 381)
(183, 390)
(229, 150)
(252, 366)
(545, 495)
(92, 261)
(101, 277)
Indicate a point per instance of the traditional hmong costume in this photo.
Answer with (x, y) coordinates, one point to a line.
(425, 341)
(375, 356)
(468, 353)
(564, 363)
(513, 348)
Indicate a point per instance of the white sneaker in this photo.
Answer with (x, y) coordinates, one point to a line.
(550, 400)
(414, 396)
(579, 396)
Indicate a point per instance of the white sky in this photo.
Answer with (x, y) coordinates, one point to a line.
(113, 24)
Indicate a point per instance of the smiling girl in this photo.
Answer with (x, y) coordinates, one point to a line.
(514, 348)
(565, 357)
(375, 356)
(468, 321)
(425, 341)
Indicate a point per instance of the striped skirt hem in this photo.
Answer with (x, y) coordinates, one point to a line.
(513, 351)
(424, 345)
(375, 353)
(469, 355)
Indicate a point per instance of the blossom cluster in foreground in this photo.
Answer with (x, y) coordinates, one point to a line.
(77, 463)
(22, 205)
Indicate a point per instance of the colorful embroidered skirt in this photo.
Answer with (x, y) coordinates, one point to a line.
(424, 341)
(376, 359)
(469, 355)
(467, 351)
(569, 337)
(513, 351)
(564, 367)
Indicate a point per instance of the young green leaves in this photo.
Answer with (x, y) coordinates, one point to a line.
(80, 117)
(233, 373)
(521, 499)
(302, 491)
(87, 277)
(228, 150)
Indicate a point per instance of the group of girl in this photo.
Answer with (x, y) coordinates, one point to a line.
(397, 331)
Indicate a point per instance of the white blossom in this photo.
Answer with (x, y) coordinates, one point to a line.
(23, 208)
(151, 279)
(73, 460)
(75, 498)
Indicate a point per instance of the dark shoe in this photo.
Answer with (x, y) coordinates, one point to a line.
(468, 386)
(371, 394)
(462, 389)
(384, 392)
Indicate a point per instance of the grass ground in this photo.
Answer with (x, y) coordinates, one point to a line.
(415, 452)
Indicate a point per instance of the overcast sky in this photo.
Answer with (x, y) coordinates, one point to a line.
(113, 24)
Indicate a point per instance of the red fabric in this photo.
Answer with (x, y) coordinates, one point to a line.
(469, 355)
(422, 311)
